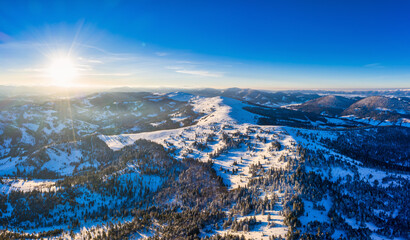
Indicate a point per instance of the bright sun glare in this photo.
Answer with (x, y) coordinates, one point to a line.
(62, 71)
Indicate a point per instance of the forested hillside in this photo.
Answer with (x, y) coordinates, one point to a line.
(194, 167)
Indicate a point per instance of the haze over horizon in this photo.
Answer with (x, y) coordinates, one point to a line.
(271, 45)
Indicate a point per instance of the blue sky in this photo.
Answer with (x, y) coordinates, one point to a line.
(257, 44)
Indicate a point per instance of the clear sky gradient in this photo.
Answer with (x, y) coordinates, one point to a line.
(256, 44)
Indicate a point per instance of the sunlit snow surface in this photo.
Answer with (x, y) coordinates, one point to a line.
(224, 115)
(219, 115)
(18, 184)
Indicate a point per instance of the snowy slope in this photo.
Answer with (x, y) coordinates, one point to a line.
(240, 150)
(224, 118)
(217, 110)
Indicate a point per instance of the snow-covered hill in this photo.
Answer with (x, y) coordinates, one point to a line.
(215, 172)
(328, 105)
(242, 151)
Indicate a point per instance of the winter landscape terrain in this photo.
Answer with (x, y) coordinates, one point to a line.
(205, 164)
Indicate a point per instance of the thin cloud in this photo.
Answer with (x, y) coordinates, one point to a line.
(109, 74)
(4, 37)
(174, 68)
(161, 54)
(200, 73)
(95, 61)
(21, 45)
(186, 62)
(30, 70)
(90, 60)
(108, 55)
(374, 65)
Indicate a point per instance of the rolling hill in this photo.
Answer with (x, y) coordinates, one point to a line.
(330, 105)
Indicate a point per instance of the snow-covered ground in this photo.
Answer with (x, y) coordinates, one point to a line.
(405, 122)
(227, 116)
(220, 117)
(17, 184)
(224, 116)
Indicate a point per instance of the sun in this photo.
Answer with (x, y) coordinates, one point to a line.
(62, 71)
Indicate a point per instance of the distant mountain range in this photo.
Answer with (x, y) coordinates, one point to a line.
(377, 104)
(389, 106)
(328, 105)
(379, 109)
